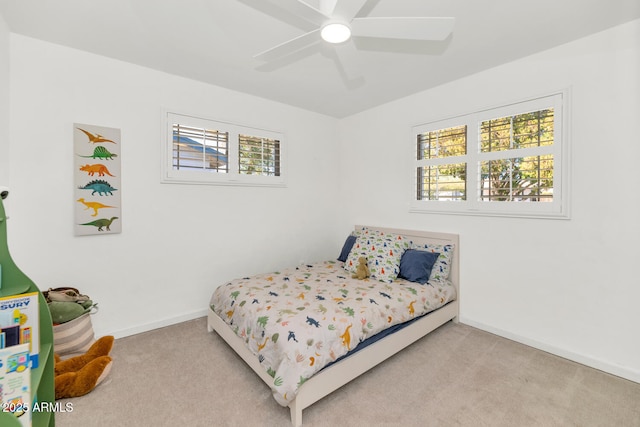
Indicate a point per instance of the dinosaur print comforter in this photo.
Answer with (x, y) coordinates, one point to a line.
(299, 320)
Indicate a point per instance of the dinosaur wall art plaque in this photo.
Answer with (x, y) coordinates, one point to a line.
(97, 180)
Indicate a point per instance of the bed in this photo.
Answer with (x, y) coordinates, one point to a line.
(309, 330)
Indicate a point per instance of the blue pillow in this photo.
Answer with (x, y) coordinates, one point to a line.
(416, 265)
(348, 244)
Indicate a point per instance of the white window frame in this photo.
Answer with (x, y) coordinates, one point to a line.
(232, 177)
(557, 209)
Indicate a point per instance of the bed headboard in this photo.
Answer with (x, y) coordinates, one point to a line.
(421, 236)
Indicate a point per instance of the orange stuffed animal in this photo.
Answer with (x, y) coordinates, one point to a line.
(79, 375)
(362, 270)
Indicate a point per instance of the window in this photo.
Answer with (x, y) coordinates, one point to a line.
(203, 151)
(503, 161)
(196, 148)
(442, 181)
(259, 156)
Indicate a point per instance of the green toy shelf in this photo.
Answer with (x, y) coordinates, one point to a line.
(14, 282)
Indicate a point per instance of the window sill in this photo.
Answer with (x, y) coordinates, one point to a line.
(528, 214)
(240, 182)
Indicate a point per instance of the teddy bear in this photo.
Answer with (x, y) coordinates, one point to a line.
(79, 375)
(362, 270)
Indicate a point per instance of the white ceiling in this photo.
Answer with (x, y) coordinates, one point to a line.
(214, 41)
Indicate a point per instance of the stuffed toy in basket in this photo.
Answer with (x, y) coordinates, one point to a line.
(71, 316)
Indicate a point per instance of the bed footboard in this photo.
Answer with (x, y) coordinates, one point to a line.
(349, 368)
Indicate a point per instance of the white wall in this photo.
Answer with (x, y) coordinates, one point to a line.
(4, 103)
(567, 286)
(178, 241)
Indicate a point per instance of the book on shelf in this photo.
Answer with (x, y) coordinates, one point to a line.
(15, 382)
(19, 323)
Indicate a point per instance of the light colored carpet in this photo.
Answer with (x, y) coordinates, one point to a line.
(182, 375)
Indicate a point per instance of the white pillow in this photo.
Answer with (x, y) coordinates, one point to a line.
(383, 252)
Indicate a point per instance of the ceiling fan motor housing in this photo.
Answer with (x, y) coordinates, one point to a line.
(336, 32)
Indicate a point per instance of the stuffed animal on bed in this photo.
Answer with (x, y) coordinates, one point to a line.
(79, 375)
(362, 270)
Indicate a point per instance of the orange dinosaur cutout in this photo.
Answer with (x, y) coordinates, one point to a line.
(412, 311)
(261, 346)
(346, 337)
(93, 205)
(95, 138)
(98, 168)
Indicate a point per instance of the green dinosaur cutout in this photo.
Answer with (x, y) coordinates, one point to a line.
(102, 222)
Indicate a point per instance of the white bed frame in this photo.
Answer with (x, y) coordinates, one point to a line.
(340, 373)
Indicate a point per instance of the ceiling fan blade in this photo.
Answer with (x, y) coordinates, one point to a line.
(347, 54)
(289, 46)
(403, 28)
(347, 9)
(303, 10)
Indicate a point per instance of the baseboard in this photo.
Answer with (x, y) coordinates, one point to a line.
(610, 368)
(159, 324)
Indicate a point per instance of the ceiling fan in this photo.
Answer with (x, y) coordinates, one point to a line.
(336, 23)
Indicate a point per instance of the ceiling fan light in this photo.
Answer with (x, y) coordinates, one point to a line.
(335, 33)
